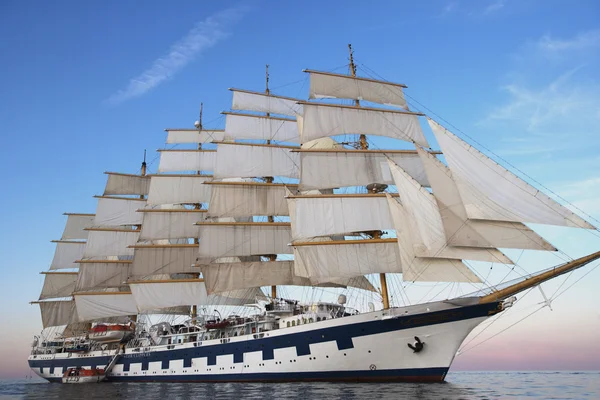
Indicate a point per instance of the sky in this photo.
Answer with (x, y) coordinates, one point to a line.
(87, 86)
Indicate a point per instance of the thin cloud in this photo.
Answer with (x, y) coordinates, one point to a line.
(527, 150)
(493, 7)
(448, 8)
(584, 194)
(582, 41)
(204, 35)
(561, 102)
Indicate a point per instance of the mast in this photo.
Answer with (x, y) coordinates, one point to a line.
(269, 179)
(142, 173)
(362, 141)
(105, 261)
(169, 221)
(197, 206)
(363, 138)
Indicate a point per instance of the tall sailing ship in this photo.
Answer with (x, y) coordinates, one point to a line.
(226, 265)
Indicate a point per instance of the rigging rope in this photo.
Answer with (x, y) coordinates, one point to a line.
(552, 298)
(557, 254)
(494, 154)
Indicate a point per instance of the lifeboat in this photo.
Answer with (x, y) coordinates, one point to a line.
(83, 375)
(215, 324)
(109, 333)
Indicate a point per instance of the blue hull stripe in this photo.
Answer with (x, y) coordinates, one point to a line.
(390, 375)
(342, 335)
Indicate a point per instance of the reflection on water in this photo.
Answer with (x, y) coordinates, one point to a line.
(459, 385)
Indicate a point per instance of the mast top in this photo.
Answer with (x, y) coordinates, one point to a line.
(352, 65)
(198, 123)
(143, 170)
(362, 142)
(267, 91)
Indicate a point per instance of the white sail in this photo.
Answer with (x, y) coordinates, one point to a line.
(57, 313)
(489, 191)
(126, 184)
(174, 189)
(76, 224)
(261, 102)
(337, 214)
(98, 305)
(171, 224)
(243, 239)
(164, 259)
(104, 243)
(423, 269)
(176, 136)
(187, 160)
(320, 120)
(115, 211)
(328, 85)
(58, 284)
(249, 160)
(422, 210)
(320, 262)
(155, 295)
(66, 253)
(462, 231)
(222, 277)
(100, 275)
(355, 168)
(245, 126)
(322, 144)
(241, 199)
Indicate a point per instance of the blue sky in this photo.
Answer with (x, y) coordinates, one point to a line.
(86, 87)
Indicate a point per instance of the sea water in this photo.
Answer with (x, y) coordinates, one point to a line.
(458, 385)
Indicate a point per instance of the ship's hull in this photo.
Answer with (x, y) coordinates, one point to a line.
(365, 347)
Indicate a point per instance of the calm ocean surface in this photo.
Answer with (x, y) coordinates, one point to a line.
(459, 385)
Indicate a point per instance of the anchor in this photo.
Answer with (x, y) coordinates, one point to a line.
(418, 346)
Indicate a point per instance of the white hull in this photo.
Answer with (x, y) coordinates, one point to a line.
(375, 356)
